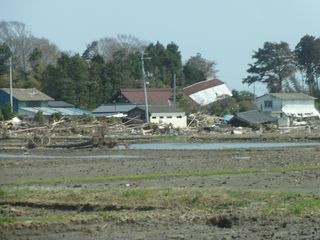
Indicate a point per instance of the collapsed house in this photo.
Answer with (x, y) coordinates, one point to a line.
(252, 118)
(205, 92)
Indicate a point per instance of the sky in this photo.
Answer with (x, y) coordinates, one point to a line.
(225, 31)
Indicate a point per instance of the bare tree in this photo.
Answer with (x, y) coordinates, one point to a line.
(21, 43)
(107, 47)
(205, 66)
(17, 37)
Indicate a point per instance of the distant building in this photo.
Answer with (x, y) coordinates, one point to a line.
(205, 92)
(161, 114)
(289, 104)
(24, 97)
(156, 96)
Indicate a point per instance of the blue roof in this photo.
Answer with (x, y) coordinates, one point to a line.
(47, 111)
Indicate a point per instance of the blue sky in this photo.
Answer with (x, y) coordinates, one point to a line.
(226, 31)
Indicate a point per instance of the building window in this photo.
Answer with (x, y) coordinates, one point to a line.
(179, 116)
(169, 116)
(33, 104)
(268, 104)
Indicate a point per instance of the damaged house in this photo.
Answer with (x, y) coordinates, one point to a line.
(205, 92)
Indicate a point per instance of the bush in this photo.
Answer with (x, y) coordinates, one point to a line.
(38, 117)
(7, 112)
(55, 116)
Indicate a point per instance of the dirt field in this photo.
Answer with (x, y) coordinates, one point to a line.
(165, 194)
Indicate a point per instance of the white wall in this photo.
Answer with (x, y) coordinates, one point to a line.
(177, 120)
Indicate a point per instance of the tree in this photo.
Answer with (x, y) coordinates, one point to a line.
(5, 53)
(162, 64)
(107, 47)
(22, 43)
(226, 105)
(275, 63)
(198, 69)
(308, 59)
(245, 100)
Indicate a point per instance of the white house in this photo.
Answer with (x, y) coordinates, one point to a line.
(289, 104)
(206, 92)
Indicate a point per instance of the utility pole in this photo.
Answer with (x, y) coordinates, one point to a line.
(10, 80)
(174, 89)
(145, 88)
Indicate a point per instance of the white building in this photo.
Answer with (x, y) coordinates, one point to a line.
(161, 114)
(289, 104)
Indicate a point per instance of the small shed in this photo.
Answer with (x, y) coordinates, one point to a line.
(161, 114)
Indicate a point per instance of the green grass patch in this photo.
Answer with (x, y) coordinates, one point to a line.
(165, 175)
(2, 192)
(304, 205)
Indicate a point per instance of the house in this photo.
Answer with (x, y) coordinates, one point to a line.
(111, 110)
(205, 92)
(161, 114)
(290, 104)
(156, 96)
(24, 97)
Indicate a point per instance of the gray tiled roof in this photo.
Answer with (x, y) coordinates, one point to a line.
(114, 108)
(28, 94)
(163, 109)
(292, 96)
(255, 117)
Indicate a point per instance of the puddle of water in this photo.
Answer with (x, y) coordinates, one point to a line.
(215, 146)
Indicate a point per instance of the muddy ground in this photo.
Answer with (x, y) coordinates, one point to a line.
(295, 169)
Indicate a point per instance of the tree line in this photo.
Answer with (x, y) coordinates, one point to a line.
(92, 77)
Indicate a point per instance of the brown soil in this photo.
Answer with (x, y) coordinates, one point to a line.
(164, 223)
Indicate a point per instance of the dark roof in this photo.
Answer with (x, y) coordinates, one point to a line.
(114, 108)
(27, 94)
(156, 96)
(162, 109)
(60, 104)
(201, 86)
(290, 96)
(254, 117)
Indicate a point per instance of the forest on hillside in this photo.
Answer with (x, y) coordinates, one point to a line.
(91, 78)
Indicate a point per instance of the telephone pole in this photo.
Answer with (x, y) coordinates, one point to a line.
(174, 89)
(10, 80)
(145, 88)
